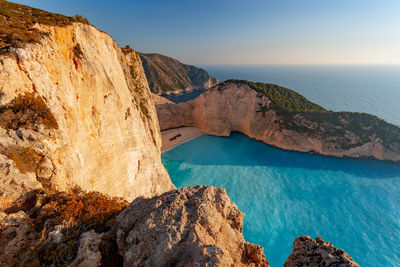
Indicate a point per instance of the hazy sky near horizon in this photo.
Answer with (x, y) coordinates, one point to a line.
(248, 31)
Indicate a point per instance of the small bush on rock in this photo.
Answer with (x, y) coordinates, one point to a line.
(27, 111)
(78, 51)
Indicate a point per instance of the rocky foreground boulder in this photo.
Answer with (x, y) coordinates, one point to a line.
(314, 253)
(194, 226)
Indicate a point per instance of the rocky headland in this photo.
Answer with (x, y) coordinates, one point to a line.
(169, 76)
(79, 138)
(283, 118)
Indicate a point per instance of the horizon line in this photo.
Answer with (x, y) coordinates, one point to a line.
(295, 64)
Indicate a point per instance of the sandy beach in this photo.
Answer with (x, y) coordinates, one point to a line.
(174, 137)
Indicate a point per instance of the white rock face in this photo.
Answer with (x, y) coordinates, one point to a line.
(236, 108)
(108, 138)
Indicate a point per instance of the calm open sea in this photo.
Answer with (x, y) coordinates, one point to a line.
(371, 89)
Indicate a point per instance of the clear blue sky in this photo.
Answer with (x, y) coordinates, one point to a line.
(248, 31)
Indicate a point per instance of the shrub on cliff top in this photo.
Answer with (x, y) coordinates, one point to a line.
(283, 98)
(17, 21)
(80, 18)
(127, 49)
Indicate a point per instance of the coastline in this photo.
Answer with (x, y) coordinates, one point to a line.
(174, 137)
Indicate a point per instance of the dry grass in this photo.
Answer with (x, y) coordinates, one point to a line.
(27, 111)
(17, 21)
(26, 159)
(77, 212)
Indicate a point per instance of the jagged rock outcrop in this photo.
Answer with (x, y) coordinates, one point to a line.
(194, 226)
(315, 253)
(169, 76)
(236, 106)
(99, 128)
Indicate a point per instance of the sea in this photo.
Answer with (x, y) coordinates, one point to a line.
(353, 203)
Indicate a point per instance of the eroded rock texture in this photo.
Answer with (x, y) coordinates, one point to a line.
(316, 253)
(194, 226)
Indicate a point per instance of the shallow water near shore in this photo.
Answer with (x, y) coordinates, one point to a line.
(355, 204)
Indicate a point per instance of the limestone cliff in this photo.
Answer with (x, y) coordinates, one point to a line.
(289, 121)
(97, 127)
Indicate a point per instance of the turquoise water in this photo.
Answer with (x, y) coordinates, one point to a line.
(371, 89)
(355, 204)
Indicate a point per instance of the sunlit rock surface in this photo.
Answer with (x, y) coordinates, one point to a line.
(194, 226)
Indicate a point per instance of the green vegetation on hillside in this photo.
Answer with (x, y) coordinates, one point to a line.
(283, 98)
(17, 21)
(365, 126)
(301, 115)
(167, 74)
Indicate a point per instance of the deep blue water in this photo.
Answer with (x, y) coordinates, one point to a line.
(355, 204)
(371, 89)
